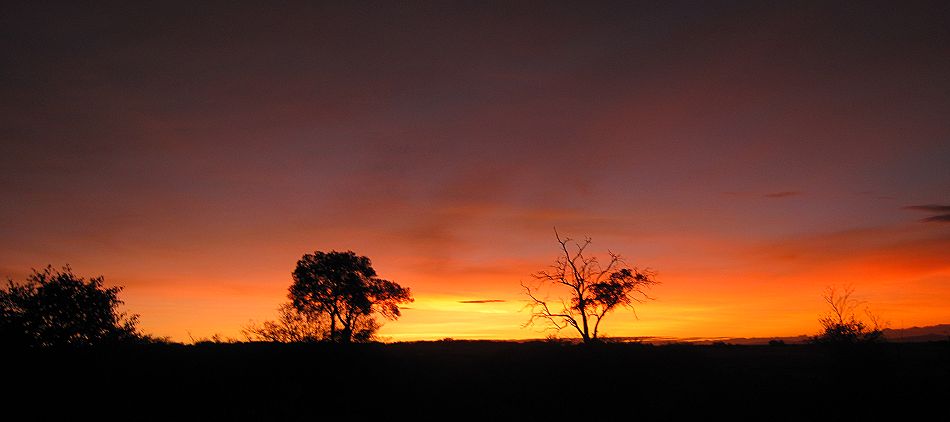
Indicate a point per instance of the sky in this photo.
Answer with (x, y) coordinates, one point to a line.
(751, 153)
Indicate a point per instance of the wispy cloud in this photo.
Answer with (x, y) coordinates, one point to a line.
(942, 211)
(483, 301)
(783, 194)
(929, 208)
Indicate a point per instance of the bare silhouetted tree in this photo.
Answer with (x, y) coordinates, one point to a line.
(840, 325)
(291, 326)
(343, 288)
(588, 289)
(58, 308)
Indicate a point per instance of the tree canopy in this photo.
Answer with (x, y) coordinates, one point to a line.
(58, 308)
(344, 288)
(589, 290)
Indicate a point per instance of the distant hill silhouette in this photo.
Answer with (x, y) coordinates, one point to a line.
(914, 334)
(939, 332)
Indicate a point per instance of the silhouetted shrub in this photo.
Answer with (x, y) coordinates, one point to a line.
(776, 342)
(215, 338)
(841, 325)
(57, 308)
(291, 326)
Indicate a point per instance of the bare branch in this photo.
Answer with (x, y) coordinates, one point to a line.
(841, 325)
(593, 290)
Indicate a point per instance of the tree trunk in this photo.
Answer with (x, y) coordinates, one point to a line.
(582, 307)
(346, 335)
(332, 327)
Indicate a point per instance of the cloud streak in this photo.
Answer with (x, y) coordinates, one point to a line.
(483, 301)
(783, 194)
(943, 212)
(929, 208)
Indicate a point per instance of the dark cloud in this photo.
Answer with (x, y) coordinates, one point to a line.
(942, 211)
(483, 301)
(784, 194)
(943, 218)
(929, 208)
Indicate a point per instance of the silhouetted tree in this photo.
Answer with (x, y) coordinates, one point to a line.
(841, 326)
(57, 308)
(343, 288)
(291, 326)
(589, 289)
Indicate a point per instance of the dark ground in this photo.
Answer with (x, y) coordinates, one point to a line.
(494, 380)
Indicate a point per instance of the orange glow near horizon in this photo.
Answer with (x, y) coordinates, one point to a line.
(753, 291)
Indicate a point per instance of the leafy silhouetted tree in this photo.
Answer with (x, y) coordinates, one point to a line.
(291, 326)
(592, 290)
(58, 308)
(343, 288)
(840, 325)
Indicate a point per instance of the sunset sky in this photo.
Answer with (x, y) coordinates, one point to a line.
(751, 153)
